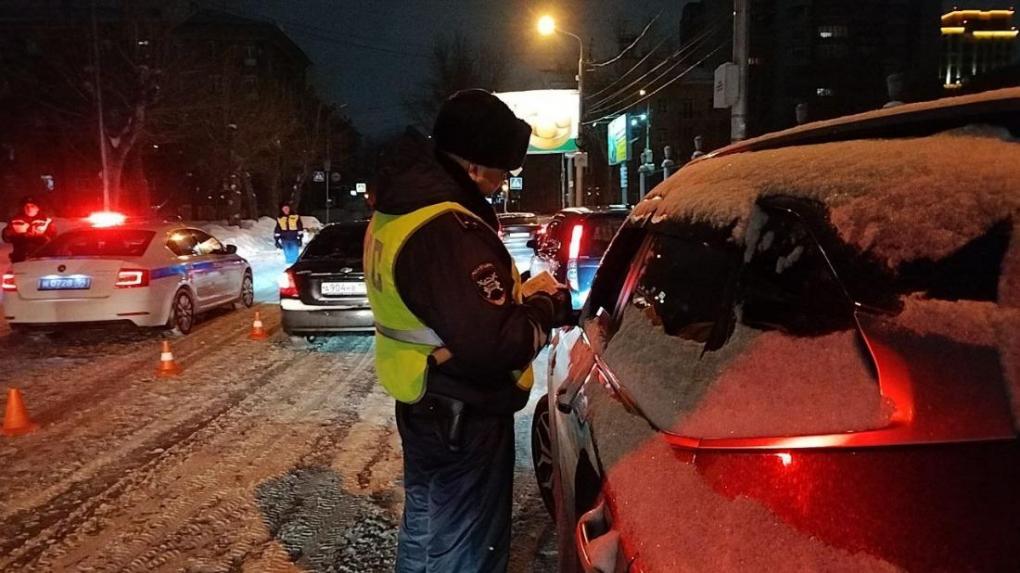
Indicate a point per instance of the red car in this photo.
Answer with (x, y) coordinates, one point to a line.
(803, 353)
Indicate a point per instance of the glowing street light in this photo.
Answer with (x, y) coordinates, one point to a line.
(642, 93)
(546, 25)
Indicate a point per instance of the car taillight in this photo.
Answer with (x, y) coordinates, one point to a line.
(8, 283)
(288, 288)
(130, 278)
(575, 241)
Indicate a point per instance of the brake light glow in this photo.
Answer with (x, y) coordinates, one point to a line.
(131, 278)
(8, 283)
(106, 219)
(575, 241)
(288, 288)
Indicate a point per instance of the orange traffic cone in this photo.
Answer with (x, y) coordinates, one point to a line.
(16, 420)
(167, 366)
(258, 331)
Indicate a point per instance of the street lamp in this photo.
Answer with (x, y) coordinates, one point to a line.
(547, 27)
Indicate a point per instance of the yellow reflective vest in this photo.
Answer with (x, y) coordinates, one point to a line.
(289, 222)
(403, 343)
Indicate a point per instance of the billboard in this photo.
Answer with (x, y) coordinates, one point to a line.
(553, 116)
(619, 146)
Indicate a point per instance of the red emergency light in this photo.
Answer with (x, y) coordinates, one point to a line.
(106, 219)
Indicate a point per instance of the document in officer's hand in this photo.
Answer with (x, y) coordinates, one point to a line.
(542, 282)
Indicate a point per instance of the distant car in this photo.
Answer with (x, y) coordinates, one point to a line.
(149, 275)
(324, 291)
(516, 230)
(572, 246)
(802, 353)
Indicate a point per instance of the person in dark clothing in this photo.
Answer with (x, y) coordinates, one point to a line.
(455, 337)
(289, 233)
(28, 230)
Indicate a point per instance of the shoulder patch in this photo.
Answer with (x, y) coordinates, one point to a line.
(486, 279)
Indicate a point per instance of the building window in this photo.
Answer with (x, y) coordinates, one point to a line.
(825, 92)
(832, 32)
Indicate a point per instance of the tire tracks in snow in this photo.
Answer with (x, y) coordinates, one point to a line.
(89, 428)
(202, 502)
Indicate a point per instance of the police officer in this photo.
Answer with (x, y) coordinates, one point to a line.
(289, 233)
(454, 337)
(28, 230)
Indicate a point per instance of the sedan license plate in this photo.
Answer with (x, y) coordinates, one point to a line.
(343, 289)
(65, 283)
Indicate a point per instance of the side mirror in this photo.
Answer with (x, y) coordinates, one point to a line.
(230, 249)
(532, 244)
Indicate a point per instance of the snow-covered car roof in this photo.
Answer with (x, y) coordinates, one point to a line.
(923, 118)
(899, 199)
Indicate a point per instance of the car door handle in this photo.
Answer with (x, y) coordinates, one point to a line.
(597, 543)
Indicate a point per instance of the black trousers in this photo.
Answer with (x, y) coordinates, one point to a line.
(457, 505)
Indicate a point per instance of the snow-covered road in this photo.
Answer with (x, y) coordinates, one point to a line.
(259, 457)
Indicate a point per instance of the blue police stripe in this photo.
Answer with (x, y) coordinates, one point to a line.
(173, 270)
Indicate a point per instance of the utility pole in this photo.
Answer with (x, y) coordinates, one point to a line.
(580, 162)
(99, 108)
(738, 114)
(328, 164)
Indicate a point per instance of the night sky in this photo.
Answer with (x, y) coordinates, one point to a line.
(369, 54)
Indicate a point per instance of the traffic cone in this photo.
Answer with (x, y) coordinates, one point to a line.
(167, 366)
(258, 331)
(16, 420)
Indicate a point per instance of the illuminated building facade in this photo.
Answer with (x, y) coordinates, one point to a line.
(975, 42)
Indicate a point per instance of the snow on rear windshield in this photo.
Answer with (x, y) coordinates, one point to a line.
(98, 243)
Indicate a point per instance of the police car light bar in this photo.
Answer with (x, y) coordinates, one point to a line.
(106, 219)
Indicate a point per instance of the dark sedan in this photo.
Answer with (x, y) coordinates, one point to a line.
(324, 292)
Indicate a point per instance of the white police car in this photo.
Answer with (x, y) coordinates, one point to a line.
(154, 275)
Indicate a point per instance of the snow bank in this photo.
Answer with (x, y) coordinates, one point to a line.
(252, 239)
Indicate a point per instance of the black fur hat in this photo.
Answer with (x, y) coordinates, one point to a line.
(479, 127)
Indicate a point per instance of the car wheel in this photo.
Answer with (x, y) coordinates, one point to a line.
(247, 298)
(542, 454)
(301, 342)
(182, 312)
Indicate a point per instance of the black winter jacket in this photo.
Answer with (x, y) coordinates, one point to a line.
(455, 275)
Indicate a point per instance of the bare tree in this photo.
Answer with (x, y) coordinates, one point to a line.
(457, 63)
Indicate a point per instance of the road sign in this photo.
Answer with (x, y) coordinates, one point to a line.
(319, 177)
(516, 183)
(361, 188)
(334, 176)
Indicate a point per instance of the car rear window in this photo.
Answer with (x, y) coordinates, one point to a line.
(98, 243)
(341, 242)
(599, 231)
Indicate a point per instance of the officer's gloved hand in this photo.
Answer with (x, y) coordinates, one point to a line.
(557, 305)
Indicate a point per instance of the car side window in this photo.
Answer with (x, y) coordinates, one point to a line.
(723, 337)
(206, 244)
(181, 242)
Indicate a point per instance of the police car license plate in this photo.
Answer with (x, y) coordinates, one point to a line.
(65, 283)
(343, 289)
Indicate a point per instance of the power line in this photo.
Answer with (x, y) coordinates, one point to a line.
(632, 44)
(601, 104)
(649, 95)
(625, 74)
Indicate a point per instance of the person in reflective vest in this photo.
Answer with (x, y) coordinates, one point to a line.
(454, 335)
(289, 233)
(28, 230)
